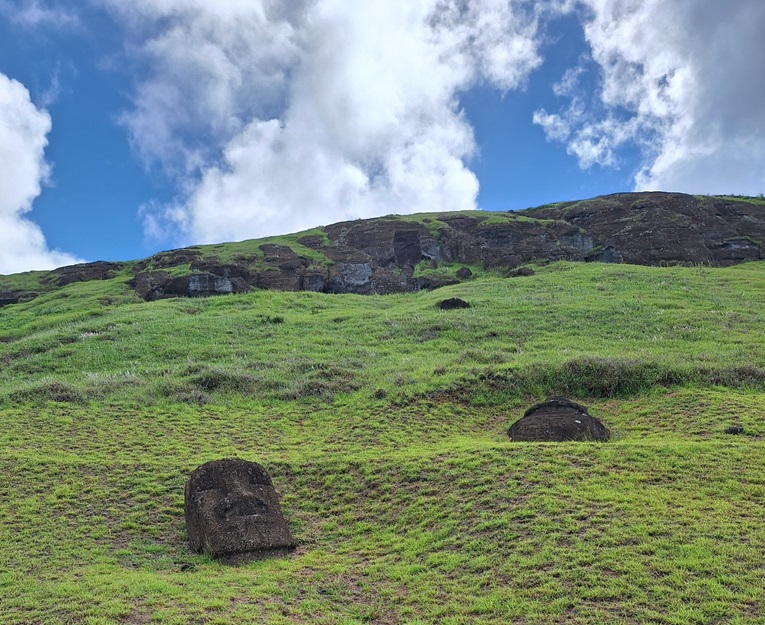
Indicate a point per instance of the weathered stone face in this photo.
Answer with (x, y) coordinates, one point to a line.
(558, 419)
(233, 512)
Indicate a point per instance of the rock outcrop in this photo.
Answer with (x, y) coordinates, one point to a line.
(84, 272)
(48, 281)
(14, 297)
(380, 256)
(154, 285)
(666, 228)
(402, 254)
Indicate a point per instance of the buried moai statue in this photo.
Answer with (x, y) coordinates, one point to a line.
(233, 513)
(453, 303)
(558, 419)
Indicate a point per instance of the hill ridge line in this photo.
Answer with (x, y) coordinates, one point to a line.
(395, 254)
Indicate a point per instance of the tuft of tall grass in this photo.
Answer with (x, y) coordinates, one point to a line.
(598, 378)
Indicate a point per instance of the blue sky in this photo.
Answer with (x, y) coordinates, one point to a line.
(127, 128)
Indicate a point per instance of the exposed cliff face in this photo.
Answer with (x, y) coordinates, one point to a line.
(383, 255)
(656, 228)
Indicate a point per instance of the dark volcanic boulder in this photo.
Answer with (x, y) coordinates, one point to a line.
(521, 272)
(558, 419)
(407, 249)
(233, 513)
(452, 303)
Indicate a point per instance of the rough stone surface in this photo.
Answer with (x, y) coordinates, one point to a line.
(148, 284)
(407, 248)
(666, 228)
(387, 281)
(153, 285)
(452, 303)
(279, 255)
(223, 270)
(83, 272)
(233, 513)
(312, 241)
(378, 256)
(14, 297)
(171, 258)
(387, 242)
(558, 419)
(521, 272)
(277, 279)
(350, 278)
(315, 279)
(383, 255)
(203, 285)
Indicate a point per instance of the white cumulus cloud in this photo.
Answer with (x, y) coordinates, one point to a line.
(683, 81)
(23, 131)
(34, 13)
(281, 115)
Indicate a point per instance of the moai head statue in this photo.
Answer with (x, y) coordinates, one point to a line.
(233, 513)
(558, 419)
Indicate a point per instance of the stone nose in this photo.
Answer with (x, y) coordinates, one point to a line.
(243, 504)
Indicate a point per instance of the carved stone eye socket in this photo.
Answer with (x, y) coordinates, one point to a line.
(244, 507)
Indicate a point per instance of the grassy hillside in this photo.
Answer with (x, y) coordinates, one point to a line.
(382, 421)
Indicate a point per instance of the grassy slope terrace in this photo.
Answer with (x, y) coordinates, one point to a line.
(382, 421)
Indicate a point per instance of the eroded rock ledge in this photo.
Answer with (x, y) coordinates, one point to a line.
(401, 254)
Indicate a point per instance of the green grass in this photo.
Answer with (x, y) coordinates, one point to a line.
(382, 421)
(757, 201)
(27, 281)
(225, 253)
(568, 325)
